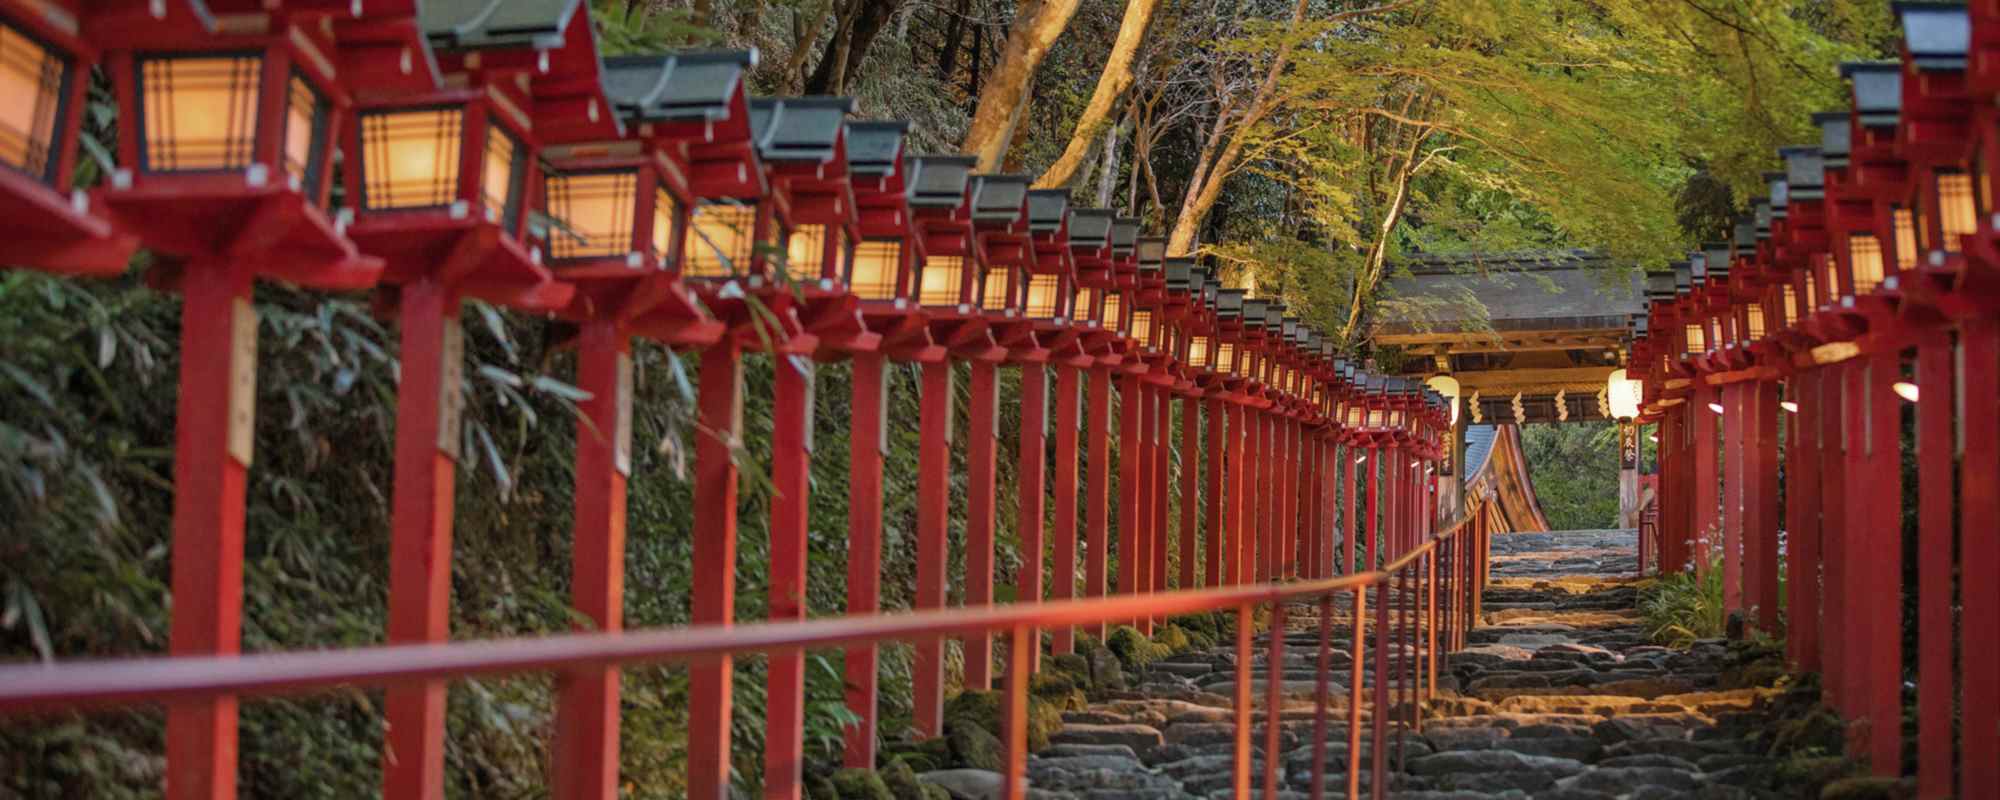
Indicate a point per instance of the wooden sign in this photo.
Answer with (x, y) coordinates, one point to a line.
(1628, 447)
(242, 381)
(451, 394)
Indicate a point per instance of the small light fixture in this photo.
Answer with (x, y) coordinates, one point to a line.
(1906, 390)
(1715, 407)
(1789, 406)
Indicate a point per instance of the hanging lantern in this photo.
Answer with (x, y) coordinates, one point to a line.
(802, 143)
(945, 277)
(878, 269)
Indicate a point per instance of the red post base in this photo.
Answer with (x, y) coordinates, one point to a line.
(866, 446)
(933, 509)
(715, 481)
(1063, 571)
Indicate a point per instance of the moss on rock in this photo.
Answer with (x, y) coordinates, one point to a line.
(860, 784)
(902, 783)
(983, 710)
(1133, 649)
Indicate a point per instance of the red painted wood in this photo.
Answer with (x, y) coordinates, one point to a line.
(1708, 504)
(1883, 584)
(585, 752)
(861, 663)
(1029, 478)
(1190, 491)
(1254, 481)
(791, 481)
(1063, 572)
(1274, 697)
(1309, 544)
(1098, 502)
(1833, 515)
(1761, 504)
(933, 524)
(1378, 709)
(1358, 647)
(1289, 481)
(1735, 477)
(1979, 520)
(1240, 755)
(1213, 569)
(1163, 465)
(1351, 518)
(1131, 427)
(1235, 516)
(1022, 643)
(1935, 543)
(1373, 521)
(980, 474)
(420, 541)
(715, 479)
(1802, 518)
(208, 532)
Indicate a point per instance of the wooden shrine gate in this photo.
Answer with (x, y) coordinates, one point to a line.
(728, 227)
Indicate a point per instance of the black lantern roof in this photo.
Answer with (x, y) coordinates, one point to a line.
(998, 198)
(1878, 90)
(469, 24)
(1780, 189)
(1253, 311)
(676, 87)
(1836, 137)
(1274, 316)
(1046, 208)
(1715, 260)
(1641, 324)
(873, 147)
(1660, 286)
(1180, 274)
(1684, 276)
(1805, 173)
(1090, 228)
(798, 128)
(1289, 328)
(1124, 234)
(1746, 234)
(1152, 250)
(939, 181)
(1760, 209)
(1229, 303)
(1198, 279)
(1935, 35)
(1326, 347)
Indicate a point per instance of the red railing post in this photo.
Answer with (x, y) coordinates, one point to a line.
(1274, 698)
(982, 435)
(1190, 485)
(427, 402)
(1979, 593)
(1378, 708)
(1288, 498)
(1802, 528)
(1246, 631)
(1935, 544)
(1028, 476)
(1098, 491)
(585, 753)
(714, 603)
(1321, 696)
(1358, 656)
(1022, 642)
(215, 414)
(1255, 481)
(1376, 472)
(1309, 531)
(1213, 570)
(866, 444)
(933, 524)
(791, 479)
(1351, 520)
(1430, 624)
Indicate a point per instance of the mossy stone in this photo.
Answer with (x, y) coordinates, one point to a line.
(1133, 649)
(860, 784)
(973, 747)
(1174, 638)
(922, 755)
(902, 783)
(1869, 788)
(983, 710)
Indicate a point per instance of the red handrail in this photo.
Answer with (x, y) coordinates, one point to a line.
(33, 689)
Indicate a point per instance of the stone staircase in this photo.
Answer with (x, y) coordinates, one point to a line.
(1559, 694)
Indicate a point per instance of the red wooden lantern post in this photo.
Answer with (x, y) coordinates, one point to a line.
(880, 273)
(1225, 440)
(944, 283)
(223, 170)
(1107, 342)
(1002, 240)
(1348, 414)
(1205, 362)
(440, 183)
(1194, 353)
(1088, 233)
(1979, 456)
(1052, 339)
(47, 223)
(1252, 361)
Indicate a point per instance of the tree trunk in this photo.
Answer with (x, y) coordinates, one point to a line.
(805, 32)
(858, 22)
(1000, 101)
(1107, 178)
(1116, 78)
(1378, 255)
(954, 32)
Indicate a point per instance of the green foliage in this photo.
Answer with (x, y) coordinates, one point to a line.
(1681, 607)
(1574, 467)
